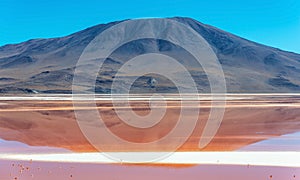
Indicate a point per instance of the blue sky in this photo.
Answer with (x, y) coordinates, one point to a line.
(274, 23)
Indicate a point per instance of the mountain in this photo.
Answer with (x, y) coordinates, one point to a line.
(47, 65)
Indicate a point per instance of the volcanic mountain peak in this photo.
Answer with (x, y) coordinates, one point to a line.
(47, 65)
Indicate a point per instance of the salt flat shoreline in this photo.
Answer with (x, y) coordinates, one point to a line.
(281, 159)
(132, 97)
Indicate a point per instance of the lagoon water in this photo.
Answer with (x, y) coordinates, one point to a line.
(270, 148)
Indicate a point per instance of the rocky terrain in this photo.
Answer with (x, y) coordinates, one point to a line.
(47, 65)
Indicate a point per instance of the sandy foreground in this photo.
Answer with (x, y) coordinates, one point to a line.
(64, 171)
(50, 121)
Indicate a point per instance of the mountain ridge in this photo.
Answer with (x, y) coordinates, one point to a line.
(47, 65)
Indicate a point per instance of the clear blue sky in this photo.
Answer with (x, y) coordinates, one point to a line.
(275, 23)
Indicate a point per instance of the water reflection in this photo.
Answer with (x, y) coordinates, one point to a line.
(288, 142)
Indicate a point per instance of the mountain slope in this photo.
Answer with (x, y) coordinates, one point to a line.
(47, 65)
